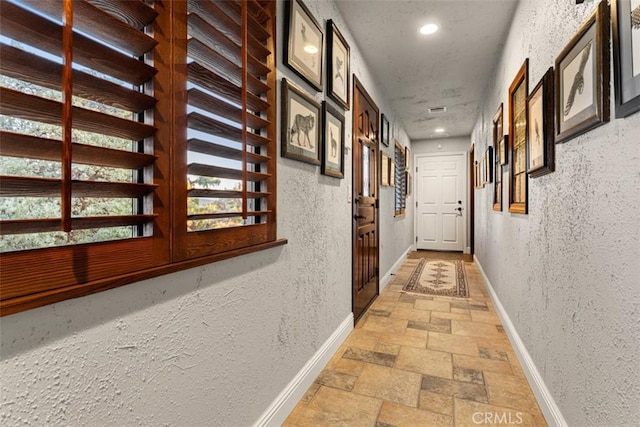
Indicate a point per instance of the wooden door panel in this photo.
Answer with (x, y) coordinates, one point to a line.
(365, 203)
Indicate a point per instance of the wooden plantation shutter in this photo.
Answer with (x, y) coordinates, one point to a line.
(401, 181)
(228, 166)
(77, 145)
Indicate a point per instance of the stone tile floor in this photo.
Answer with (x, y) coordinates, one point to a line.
(422, 361)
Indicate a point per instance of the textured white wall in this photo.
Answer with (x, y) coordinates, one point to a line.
(211, 346)
(568, 273)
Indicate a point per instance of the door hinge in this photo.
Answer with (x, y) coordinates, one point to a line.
(416, 203)
(377, 203)
(416, 239)
(416, 169)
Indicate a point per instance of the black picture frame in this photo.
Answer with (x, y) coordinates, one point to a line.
(625, 59)
(582, 78)
(518, 178)
(384, 130)
(500, 141)
(540, 127)
(332, 141)
(338, 66)
(303, 43)
(488, 168)
(301, 121)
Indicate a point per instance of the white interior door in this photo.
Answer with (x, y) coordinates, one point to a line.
(440, 202)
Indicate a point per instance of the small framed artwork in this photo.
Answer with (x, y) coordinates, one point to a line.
(392, 172)
(407, 180)
(333, 142)
(301, 116)
(582, 78)
(541, 147)
(488, 168)
(483, 171)
(518, 182)
(338, 67)
(476, 174)
(384, 169)
(626, 56)
(304, 43)
(499, 138)
(497, 183)
(384, 130)
(407, 158)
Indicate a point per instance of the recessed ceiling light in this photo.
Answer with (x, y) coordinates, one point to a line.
(439, 130)
(428, 29)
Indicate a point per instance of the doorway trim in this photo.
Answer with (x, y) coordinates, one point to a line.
(465, 224)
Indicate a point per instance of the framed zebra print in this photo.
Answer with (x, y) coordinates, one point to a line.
(626, 56)
(582, 78)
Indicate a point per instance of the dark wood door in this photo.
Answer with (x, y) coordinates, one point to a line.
(365, 200)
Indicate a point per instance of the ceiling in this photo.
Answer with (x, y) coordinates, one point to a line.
(447, 69)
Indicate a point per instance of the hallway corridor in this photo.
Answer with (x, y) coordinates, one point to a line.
(422, 361)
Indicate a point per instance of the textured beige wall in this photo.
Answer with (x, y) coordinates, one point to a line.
(568, 273)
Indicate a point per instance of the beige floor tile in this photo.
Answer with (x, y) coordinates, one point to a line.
(469, 413)
(432, 305)
(473, 329)
(348, 366)
(295, 414)
(339, 408)
(399, 416)
(494, 343)
(418, 333)
(452, 344)
(370, 356)
(436, 402)
(385, 324)
(387, 348)
(363, 338)
(407, 339)
(481, 364)
(389, 384)
(336, 380)
(411, 314)
(424, 361)
(456, 316)
(460, 389)
(485, 317)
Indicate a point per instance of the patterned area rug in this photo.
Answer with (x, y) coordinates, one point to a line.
(438, 277)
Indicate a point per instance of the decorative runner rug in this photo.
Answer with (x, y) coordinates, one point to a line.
(438, 277)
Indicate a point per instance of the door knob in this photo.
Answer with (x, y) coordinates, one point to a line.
(458, 209)
(359, 217)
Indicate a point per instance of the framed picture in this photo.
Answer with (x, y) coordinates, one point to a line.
(488, 168)
(304, 43)
(407, 180)
(300, 125)
(407, 158)
(518, 182)
(384, 130)
(338, 66)
(497, 183)
(392, 172)
(540, 130)
(384, 169)
(483, 171)
(626, 56)
(476, 174)
(333, 142)
(499, 138)
(582, 78)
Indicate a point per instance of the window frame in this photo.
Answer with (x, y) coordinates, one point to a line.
(72, 271)
(400, 191)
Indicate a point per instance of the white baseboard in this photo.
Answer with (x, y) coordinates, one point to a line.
(282, 406)
(467, 250)
(384, 281)
(546, 402)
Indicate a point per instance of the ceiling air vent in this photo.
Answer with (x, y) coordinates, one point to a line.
(437, 110)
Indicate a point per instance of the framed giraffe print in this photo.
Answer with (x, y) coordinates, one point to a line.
(333, 142)
(541, 147)
(303, 43)
(582, 78)
(337, 66)
(625, 16)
